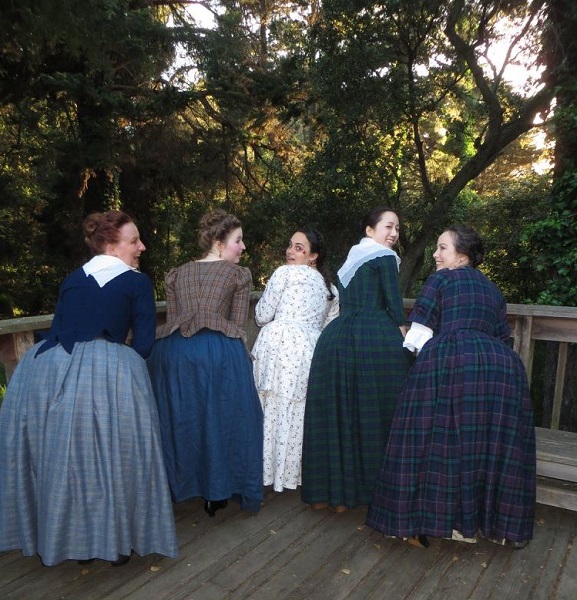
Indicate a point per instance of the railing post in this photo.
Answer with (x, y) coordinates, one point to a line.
(559, 385)
(13, 346)
(524, 344)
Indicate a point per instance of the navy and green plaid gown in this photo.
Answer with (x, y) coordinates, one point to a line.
(461, 451)
(357, 372)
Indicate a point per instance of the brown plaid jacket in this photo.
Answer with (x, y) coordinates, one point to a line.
(213, 295)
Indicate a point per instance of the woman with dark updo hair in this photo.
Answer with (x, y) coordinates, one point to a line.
(297, 303)
(210, 414)
(460, 462)
(81, 467)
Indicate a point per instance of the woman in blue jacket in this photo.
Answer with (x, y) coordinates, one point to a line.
(81, 467)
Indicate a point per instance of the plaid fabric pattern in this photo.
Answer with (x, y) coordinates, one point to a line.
(81, 466)
(461, 451)
(212, 295)
(357, 371)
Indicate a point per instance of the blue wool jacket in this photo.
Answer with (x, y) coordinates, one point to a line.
(85, 311)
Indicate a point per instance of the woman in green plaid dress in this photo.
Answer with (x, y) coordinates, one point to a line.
(358, 369)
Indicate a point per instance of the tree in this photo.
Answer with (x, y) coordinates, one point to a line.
(554, 235)
(77, 79)
(416, 76)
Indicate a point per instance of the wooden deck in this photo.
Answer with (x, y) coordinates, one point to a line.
(291, 552)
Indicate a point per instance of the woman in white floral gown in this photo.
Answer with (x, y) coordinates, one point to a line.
(298, 302)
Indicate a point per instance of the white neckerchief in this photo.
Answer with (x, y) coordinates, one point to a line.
(365, 250)
(105, 268)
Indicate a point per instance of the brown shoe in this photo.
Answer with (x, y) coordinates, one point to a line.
(319, 505)
(420, 541)
(338, 509)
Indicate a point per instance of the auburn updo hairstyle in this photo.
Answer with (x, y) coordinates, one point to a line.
(101, 229)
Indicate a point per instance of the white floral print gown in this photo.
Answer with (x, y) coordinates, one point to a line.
(292, 312)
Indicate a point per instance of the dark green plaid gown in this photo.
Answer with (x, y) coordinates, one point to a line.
(358, 369)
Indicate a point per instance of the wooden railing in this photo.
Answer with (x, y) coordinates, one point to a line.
(529, 323)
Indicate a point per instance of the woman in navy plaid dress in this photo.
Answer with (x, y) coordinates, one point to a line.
(357, 372)
(460, 460)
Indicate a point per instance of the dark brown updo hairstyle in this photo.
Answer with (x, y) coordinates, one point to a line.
(373, 217)
(468, 242)
(101, 229)
(215, 226)
(318, 246)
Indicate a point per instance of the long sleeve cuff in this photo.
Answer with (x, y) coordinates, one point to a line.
(417, 336)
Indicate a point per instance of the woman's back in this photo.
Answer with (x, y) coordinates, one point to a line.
(460, 299)
(374, 287)
(295, 294)
(212, 295)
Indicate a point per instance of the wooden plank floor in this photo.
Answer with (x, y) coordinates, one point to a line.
(290, 552)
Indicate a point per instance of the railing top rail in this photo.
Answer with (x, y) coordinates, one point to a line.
(39, 322)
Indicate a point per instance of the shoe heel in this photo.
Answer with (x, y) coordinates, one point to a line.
(211, 506)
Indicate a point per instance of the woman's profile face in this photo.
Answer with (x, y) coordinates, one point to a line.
(129, 246)
(446, 255)
(231, 249)
(386, 231)
(298, 251)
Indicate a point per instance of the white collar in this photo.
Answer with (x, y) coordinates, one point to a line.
(365, 250)
(105, 268)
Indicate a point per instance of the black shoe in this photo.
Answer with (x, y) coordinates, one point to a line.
(514, 545)
(120, 561)
(211, 506)
(87, 561)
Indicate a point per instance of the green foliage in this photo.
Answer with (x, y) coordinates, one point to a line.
(502, 219)
(78, 81)
(290, 115)
(554, 237)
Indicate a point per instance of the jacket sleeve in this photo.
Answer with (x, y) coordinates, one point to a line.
(144, 316)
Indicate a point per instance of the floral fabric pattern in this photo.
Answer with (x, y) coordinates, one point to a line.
(292, 312)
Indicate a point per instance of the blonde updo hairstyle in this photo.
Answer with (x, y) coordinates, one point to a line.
(215, 226)
(101, 229)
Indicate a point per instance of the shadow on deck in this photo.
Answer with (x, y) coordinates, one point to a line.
(291, 552)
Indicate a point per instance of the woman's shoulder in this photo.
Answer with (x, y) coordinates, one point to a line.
(76, 275)
(137, 281)
(241, 274)
(385, 261)
(292, 271)
(463, 276)
(175, 272)
(298, 274)
(242, 271)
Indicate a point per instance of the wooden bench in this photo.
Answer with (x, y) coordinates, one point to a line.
(557, 468)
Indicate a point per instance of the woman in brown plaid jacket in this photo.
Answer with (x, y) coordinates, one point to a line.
(210, 413)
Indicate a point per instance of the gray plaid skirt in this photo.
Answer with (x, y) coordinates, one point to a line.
(81, 467)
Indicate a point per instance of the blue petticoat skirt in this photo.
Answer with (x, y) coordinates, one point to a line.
(211, 417)
(81, 467)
